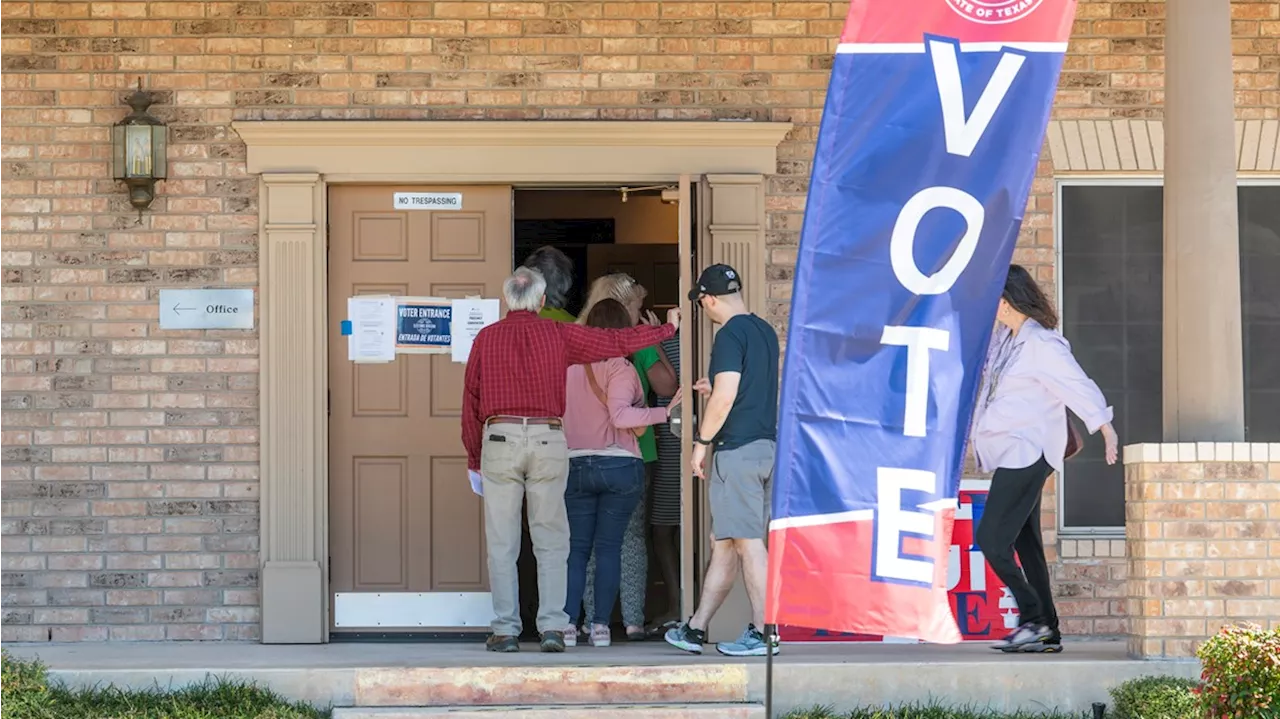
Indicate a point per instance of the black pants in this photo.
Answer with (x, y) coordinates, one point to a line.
(1011, 522)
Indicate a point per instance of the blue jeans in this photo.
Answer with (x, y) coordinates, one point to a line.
(601, 496)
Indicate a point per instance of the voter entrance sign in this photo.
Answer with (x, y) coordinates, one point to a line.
(380, 327)
(932, 129)
(424, 325)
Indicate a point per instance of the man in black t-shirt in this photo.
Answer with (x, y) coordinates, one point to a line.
(741, 421)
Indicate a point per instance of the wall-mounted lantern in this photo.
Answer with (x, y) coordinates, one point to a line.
(140, 143)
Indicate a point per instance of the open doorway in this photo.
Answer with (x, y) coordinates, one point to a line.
(604, 230)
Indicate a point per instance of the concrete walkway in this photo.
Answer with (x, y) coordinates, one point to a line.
(454, 674)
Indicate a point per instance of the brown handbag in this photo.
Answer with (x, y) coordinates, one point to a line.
(604, 399)
(1075, 440)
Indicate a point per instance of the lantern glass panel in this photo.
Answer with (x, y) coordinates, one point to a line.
(159, 152)
(137, 151)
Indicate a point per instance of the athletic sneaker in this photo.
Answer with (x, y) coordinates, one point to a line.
(1024, 635)
(552, 642)
(601, 636)
(571, 636)
(687, 638)
(1051, 644)
(502, 643)
(750, 644)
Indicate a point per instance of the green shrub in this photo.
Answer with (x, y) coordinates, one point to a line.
(24, 689)
(1156, 698)
(28, 695)
(1241, 673)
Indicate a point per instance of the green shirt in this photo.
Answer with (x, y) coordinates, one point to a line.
(643, 360)
(557, 314)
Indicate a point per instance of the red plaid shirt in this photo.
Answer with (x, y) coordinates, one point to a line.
(517, 367)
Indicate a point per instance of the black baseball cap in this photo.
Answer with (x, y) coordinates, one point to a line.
(716, 280)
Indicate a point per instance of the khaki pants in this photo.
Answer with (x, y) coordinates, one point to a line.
(526, 461)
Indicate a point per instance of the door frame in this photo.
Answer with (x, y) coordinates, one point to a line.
(295, 162)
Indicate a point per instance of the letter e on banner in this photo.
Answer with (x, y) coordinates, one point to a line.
(893, 522)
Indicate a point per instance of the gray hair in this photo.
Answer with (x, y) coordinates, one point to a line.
(524, 290)
(557, 270)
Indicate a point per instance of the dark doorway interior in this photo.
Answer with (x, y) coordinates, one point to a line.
(572, 237)
(602, 234)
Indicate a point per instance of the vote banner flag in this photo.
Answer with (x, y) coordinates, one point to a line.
(935, 115)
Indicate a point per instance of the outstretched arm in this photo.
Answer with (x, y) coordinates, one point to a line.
(584, 345)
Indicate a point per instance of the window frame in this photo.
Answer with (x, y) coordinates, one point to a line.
(1060, 280)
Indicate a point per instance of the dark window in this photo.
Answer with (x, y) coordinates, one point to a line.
(1112, 309)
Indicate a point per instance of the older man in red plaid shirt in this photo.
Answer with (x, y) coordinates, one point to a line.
(512, 403)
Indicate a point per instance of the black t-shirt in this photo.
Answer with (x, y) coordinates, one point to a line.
(748, 344)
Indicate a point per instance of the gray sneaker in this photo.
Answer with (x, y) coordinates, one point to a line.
(1023, 636)
(750, 644)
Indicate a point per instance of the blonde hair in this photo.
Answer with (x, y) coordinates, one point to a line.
(618, 286)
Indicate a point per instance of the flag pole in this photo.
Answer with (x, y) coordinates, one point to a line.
(770, 642)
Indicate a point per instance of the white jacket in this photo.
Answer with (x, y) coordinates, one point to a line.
(1028, 382)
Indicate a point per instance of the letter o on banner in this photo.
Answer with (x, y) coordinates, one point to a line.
(902, 242)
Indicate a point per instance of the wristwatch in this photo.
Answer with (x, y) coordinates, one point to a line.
(697, 439)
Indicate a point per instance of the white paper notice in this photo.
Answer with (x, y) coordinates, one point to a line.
(469, 317)
(373, 329)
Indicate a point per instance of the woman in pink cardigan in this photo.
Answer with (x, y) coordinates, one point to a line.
(604, 407)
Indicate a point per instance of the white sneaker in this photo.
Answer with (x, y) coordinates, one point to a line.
(601, 636)
(571, 636)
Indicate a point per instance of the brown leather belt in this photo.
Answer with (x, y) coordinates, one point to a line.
(553, 422)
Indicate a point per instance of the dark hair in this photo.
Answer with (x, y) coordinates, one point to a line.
(1024, 295)
(609, 314)
(557, 269)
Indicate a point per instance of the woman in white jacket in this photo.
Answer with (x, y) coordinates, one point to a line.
(1021, 433)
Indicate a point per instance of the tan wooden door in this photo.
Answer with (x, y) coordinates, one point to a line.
(655, 267)
(403, 518)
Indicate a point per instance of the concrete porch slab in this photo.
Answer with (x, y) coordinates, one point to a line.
(581, 711)
(408, 675)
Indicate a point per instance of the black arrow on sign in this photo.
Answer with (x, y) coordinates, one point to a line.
(180, 308)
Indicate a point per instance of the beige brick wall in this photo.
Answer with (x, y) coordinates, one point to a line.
(130, 454)
(1203, 525)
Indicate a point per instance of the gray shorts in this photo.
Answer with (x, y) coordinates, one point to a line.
(741, 490)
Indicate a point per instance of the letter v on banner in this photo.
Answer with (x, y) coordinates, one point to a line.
(935, 115)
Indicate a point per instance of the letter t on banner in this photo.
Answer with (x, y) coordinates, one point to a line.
(935, 116)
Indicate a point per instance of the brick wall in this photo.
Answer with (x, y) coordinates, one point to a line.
(130, 454)
(1203, 522)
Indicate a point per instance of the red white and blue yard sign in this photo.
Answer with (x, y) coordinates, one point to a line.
(935, 116)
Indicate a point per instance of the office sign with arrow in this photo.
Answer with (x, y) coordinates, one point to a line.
(206, 309)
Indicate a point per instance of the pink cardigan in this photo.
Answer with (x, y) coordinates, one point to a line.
(588, 424)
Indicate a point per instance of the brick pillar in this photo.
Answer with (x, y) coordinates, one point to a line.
(1202, 523)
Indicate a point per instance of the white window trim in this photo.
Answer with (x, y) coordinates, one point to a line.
(1143, 180)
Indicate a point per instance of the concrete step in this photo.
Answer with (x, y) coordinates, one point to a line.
(550, 686)
(582, 711)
